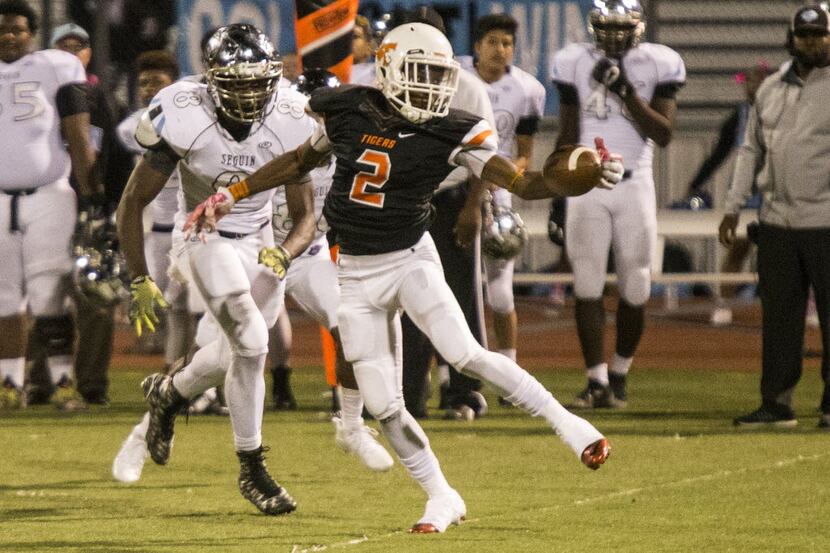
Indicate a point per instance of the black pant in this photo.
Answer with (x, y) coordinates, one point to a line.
(461, 270)
(789, 263)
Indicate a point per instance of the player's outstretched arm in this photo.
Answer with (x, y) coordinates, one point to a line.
(290, 167)
(300, 202)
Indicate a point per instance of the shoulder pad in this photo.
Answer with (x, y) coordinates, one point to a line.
(565, 62)
(327, 100)
(290, 102)
(147, 134)
(68, 68)
(669, 64)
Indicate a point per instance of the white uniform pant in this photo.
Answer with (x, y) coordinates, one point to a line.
(373, 288)
(624, 219)
(36, 259)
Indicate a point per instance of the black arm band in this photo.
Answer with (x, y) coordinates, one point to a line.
(162, 158)
(568, 94)
(667, 90)
(528, 125)
(72, 99)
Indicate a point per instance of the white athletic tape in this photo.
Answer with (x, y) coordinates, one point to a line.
(573, 159)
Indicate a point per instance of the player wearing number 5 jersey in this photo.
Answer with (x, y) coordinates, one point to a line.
(393, 148)
(623, 90)
(43, 105)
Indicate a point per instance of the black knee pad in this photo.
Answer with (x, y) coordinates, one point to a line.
(57, 334)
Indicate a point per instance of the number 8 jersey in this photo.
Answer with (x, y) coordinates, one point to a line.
(388, 168)
(648, 67)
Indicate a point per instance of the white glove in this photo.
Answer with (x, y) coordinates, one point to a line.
(612, 172)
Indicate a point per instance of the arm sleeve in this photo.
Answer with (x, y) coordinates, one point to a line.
(750, 160)
(567, 94)
(162, 158)
(72, 99)
(726, 142)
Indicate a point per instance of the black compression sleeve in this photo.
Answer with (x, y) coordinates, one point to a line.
(162, 158)
(567, 93)
(667, 90)
(72, 99)
(528, 125)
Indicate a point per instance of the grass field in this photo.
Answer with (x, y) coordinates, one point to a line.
(680, 478)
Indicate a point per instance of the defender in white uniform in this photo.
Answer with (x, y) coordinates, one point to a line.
(214, 135)
(42, 105)
(624, 91)
(517, 106)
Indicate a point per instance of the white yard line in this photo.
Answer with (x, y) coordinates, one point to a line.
(719, 475)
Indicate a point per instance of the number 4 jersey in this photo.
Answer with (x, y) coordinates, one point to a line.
(33, 153)
(649, 67)
(388, 168)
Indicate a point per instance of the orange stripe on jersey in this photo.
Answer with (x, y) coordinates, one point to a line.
(479, 138)
(343, 70)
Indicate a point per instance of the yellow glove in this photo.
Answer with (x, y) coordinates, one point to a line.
(277, 259)
(143, 294)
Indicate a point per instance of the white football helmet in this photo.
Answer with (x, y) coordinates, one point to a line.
(416, 71)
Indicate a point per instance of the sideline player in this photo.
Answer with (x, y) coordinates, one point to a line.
(517, 113)
(215, 134)
(624, 90)
(393, 147)
(43, 104)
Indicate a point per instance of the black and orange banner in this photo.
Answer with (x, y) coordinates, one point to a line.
(323, 29)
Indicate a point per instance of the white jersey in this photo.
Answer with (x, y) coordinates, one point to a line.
(364, 74)
(282, 222)
(163, 208)
(511, 105)
(32, 151)
(647, 66)
(183, 114)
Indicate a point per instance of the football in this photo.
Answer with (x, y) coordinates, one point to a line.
(572, 170)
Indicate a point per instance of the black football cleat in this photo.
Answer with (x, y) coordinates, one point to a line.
(594, 396)
(164, 403)
(617, 385)
(259, 488)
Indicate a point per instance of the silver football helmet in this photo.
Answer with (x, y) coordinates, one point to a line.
(99, 272)
(243, 71)
(503, 236)
(616, 25)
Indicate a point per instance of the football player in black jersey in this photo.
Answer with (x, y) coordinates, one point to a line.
(393, 147)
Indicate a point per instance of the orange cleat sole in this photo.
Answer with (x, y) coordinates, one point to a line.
(423, 528)
(596, 454)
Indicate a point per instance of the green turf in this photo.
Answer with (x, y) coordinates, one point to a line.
(679, 479)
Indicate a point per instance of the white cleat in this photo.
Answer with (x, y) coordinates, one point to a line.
(363, 443)
(440, 512)
(129, 462)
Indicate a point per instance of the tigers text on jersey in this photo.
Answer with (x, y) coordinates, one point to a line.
(511, 105)
(282, 222)
(33, 153)
(184, 116)
(388, 168)
(165, 205)
(647, 66)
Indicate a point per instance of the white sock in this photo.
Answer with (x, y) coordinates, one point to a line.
(140, 430)
(509, 353)
(598, 373)
(206, 370)
(621, 365)
(522, 390)
(351, 408)
(245, 393)
(14, 369)
(443, 374)
(423, 466)
(59, 366)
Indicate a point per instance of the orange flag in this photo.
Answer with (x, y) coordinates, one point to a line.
(323, 30)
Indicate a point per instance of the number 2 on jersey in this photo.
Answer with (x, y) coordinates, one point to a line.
(379, 161)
